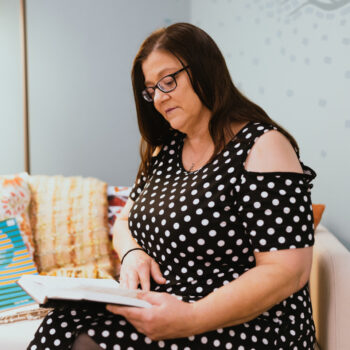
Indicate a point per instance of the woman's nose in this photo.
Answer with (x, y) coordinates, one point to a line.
(160, 96)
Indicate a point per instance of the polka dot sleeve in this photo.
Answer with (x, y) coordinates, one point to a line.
(276, 209)
(138, 187)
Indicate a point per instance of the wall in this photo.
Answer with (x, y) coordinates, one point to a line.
(80, 53)
(293, 58)
(11, 105)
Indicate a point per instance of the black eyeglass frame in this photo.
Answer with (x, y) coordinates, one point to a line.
(147, 96)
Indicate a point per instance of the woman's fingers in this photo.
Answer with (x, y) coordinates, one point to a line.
(129, 279)
(139, 272)
(144, 276)
(156, 273)
(133, 280)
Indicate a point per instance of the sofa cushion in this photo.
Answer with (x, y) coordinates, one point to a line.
(14, 203)
(117, 198)
(70, 226)
(317, 210)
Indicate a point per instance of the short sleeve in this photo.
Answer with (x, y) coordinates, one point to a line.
(138, 187)
(276, 209)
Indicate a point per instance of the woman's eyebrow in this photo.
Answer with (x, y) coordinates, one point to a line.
(162, 74)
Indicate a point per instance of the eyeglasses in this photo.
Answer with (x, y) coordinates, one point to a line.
(166, 84)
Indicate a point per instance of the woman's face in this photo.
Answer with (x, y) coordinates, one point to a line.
(181, 107)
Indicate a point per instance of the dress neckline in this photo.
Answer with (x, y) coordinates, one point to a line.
(183, 136)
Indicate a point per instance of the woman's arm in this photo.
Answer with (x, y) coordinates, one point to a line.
(276, 276)
(122, 238)
(138, 266)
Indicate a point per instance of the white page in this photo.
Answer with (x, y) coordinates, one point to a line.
(42, 288)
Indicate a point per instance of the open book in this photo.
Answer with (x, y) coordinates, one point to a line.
(44, 289)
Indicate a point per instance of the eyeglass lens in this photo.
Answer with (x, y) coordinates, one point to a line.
(166, 84)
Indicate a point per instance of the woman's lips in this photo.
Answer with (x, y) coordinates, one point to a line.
(169, 110)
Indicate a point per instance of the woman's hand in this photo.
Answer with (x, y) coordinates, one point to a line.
(168, 317)
(137, 268)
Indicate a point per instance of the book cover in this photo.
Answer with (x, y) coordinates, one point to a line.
(15, 261)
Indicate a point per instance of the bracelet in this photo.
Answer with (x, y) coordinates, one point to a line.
(129, 251)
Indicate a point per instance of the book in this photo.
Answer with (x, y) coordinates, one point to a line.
(15, 261)
(51, 290)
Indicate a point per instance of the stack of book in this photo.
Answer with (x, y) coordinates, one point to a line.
(15, 261)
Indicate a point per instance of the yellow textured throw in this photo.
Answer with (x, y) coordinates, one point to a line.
(70, 227)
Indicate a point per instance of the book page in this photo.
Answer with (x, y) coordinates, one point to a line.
(42, 288)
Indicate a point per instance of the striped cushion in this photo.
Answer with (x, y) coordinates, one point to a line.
(70, 226)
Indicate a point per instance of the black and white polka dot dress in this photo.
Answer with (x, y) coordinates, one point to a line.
(203, 228)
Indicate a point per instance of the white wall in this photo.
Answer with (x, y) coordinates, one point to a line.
(80, 54)
(11, 104)
(294, 61)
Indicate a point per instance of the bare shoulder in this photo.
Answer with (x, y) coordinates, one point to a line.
(273, 152)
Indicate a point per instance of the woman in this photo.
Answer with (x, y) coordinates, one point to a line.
(219, 223)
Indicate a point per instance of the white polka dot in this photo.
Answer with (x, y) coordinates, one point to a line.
(57, 342)
(205, 222)
(105, 334)
(271, 231)
(134, 336)
(91, 332)
(296, 218)
(52, 331)
(212, 233)
(208, 194)
(221, 243)
(216, 342)
(201, 241)
(148, 340)
(279, 220)
(246, 198)
(264, 194)
(68, 335)
(275, 202)
(193, 229)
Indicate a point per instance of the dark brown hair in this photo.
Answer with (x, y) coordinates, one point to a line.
(211, 81)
